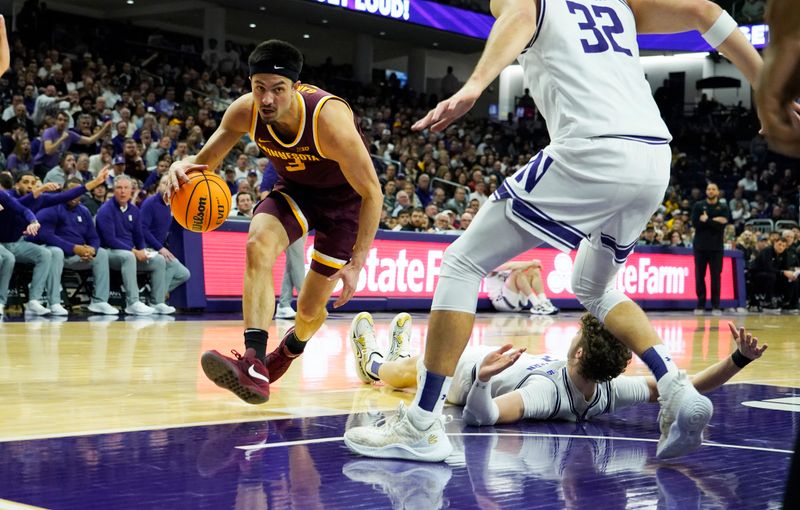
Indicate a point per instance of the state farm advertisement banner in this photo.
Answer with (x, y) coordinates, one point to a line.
(410, 269)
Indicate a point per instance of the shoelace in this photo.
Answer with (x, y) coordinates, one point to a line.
(402, 411)
(389, 421)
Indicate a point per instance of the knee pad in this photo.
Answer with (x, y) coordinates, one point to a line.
(459, 282)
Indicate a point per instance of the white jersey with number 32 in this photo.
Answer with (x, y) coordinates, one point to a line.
(582, 67)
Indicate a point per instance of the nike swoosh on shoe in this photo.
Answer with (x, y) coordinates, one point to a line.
(254, 374)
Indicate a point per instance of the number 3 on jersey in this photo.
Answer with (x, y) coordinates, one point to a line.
(589, 24)
(296, 166)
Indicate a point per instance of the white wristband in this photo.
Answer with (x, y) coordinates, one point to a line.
(720, 30)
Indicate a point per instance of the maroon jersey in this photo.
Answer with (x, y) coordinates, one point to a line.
(300, 162)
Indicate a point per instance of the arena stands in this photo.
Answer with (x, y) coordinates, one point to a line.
(139, 101)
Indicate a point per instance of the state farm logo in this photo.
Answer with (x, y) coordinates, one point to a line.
(404, 272)
(637, 277)
(560, 278)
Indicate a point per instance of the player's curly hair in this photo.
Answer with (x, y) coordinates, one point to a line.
(276, 50)
(604, 357)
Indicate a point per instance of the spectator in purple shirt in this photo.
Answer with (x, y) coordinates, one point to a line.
(10, 205)
(21, 160)
(120, 228)
(57, 140)
(156, 222)
(70, 227)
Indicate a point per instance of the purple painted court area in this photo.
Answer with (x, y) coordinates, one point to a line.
(608, 463)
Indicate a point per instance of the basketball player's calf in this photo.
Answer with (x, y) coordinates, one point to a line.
(684, 412)
(246, 375)
(311, 314)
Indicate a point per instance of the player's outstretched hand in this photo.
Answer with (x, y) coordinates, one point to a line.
(349, 276)
(497, 361)
(178, 174)
(449, 110)
(747, 343)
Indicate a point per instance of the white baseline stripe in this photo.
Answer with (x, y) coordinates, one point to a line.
(510, 434)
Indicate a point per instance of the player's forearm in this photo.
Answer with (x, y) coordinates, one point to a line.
(480, 408)
(744, 56)
(715, 376)
(512, 31)
(368, 219)
(5, 55)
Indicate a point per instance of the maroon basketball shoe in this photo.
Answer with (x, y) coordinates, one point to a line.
(246, 376)
(278, 361)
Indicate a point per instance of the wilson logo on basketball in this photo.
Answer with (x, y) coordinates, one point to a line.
(202, 203)
(199, 217)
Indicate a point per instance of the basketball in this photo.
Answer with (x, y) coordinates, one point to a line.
(202, 204)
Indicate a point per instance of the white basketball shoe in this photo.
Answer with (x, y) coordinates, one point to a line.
(683, 416)
(398, 438)
(400, 331)
(544, 307)
(365, 347)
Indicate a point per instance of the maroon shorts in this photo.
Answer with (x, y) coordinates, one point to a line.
(331, 213)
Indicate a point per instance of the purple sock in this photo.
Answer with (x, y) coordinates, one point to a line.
(431, 391)
(374, 367)
(659, 361)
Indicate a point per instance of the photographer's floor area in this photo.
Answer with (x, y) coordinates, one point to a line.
(118, 414)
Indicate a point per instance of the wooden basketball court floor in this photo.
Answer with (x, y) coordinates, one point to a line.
(118, 414)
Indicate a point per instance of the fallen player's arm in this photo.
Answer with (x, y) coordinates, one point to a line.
(530, 401)
(721, 372)
(533, 401)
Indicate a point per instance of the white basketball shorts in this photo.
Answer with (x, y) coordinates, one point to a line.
(602, 189)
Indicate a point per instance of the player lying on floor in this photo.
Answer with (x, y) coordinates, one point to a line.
(505, 385)
(517, 287)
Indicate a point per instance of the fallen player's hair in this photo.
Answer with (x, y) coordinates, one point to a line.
(604, 357)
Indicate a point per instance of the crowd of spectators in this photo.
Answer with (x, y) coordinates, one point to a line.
(74, 104)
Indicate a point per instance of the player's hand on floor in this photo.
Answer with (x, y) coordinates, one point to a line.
(746, 343)
(497, 361)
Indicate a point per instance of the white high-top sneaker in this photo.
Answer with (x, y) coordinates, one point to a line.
(683, 416)
(400, 331)
(398, 438)
(365, 347)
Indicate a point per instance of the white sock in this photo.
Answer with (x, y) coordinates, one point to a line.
(533, 299)
(542, 297)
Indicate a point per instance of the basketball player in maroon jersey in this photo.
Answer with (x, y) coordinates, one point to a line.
(326, 182)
